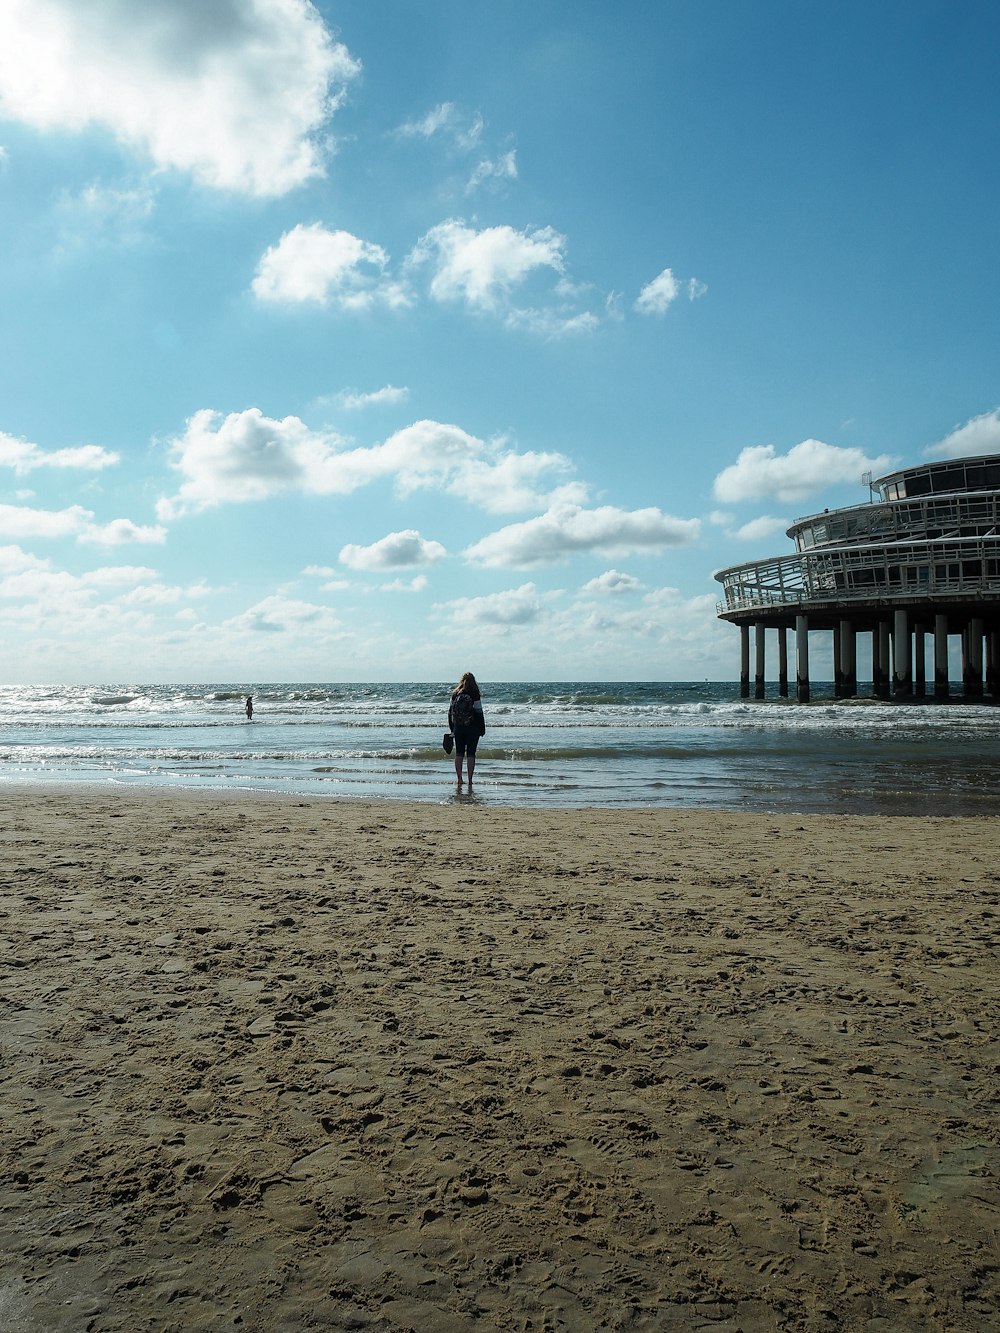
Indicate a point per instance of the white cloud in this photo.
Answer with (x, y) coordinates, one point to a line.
(310, 263)
(551, 324)
(807, 469)
(758, 528)
(15, 561)
(389, 394)
(25, 457)
(417, 584)
(658, 296)
(122, 531)
(612, 582)
(501, 168)
(445, 118)
(440, 118)
(398, 550)
(569, 530)
(232, 92)
(482, 267)
(514, 606)
(283, 615)
(21, 522)
(247, 456)
(979, 435)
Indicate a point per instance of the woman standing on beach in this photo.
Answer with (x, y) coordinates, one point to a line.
(466, 723)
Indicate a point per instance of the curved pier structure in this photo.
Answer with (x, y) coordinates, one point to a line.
(923, 559)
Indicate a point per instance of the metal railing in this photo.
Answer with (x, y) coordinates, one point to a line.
(927, 517)
(965, 567)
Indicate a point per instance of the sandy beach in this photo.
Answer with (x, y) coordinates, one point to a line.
(275, 1065)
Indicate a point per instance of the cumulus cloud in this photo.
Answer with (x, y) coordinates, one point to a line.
(23, 577)
(390, 393)
(398, 550)
(310, 263)
(13, 560)
(979, 435)
(121, 532)
(612, 582)
(807, 469)
(21, 523)
(567, 530)
(658, 296)
(514, 606)
(758, 528)
(247, 456)
(481, 268)
(25, 457)
(233, 92)
(284, 615)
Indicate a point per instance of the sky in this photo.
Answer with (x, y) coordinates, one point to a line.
(372, 340)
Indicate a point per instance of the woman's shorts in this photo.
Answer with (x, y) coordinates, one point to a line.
(465, 742)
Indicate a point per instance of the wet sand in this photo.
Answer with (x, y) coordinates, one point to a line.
(275, 1065)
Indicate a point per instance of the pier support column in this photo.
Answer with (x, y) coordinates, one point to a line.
(992, 663)
(802, 659)
(782, 662)
(838, 670)
(940, 657)
(884, 635)
(902, 657)
(975, 683)
(758, 680)
(919, 661)
(744, 661)
(848, 659)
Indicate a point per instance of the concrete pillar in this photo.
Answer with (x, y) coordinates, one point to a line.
(940, 657)
(993, 663)
(744, 661)
(848, 659)
(975, 686)
(758, 680)
(782, 662)
(884, 658)
(838, 670)
(802, 659)
(902, 656)
(919, 661)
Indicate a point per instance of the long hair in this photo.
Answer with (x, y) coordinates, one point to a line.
(467, 685)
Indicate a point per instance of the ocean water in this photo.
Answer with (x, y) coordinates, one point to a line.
(569, 744)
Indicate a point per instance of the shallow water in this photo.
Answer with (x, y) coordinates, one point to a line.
(547, 744)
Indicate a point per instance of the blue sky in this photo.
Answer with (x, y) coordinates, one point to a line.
(382, 340)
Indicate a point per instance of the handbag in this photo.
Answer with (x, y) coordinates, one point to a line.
(448, 741)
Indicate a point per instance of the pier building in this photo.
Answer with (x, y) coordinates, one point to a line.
(915, 565)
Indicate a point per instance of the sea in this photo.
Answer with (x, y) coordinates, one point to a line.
(570, 744)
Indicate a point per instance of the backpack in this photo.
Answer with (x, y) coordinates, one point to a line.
(462, 712)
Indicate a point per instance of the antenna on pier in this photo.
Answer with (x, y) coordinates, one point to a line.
(866, 480)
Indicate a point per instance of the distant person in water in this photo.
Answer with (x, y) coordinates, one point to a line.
(466, 723)
(249, 707)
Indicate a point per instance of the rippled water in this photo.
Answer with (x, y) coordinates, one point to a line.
(547, 744)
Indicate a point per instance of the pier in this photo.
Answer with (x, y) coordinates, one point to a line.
(915, 567)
